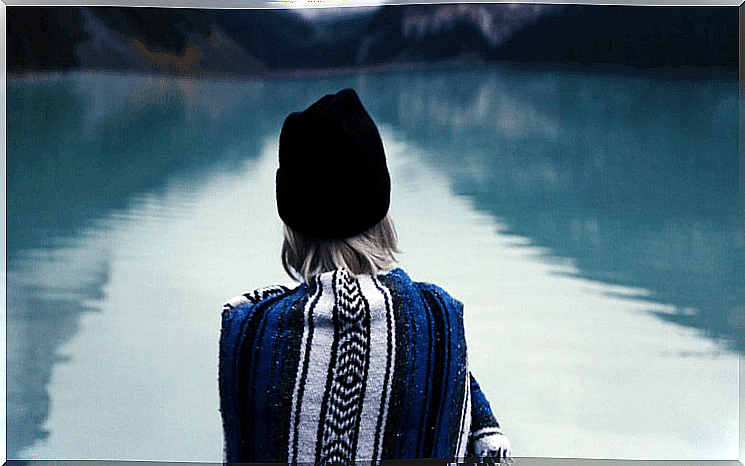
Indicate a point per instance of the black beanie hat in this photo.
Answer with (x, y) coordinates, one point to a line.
(332, 180)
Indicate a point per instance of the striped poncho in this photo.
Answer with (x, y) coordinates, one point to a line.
(350, 369)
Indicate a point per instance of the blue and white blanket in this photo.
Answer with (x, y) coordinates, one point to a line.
(350, 369)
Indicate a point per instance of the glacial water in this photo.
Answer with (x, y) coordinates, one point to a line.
(587, 219)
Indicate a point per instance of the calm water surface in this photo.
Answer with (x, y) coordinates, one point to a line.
(588, 221)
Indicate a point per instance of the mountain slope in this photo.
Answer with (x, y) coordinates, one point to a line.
(226, 42)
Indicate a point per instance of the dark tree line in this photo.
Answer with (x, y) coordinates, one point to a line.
(45, 38)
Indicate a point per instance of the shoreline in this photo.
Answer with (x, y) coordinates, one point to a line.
(413, 66)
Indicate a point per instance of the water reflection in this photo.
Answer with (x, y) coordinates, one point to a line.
(630, 180)
(79, 148)
(45, 297)
(83, 147)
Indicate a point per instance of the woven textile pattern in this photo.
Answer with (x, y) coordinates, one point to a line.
(349, 369)
(255, 296)
(345, 383)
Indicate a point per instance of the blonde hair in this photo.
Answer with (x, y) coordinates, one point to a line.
(368, 253)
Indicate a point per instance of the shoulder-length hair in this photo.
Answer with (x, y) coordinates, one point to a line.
(368, 253)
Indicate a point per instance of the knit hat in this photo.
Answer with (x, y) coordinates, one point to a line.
(332, 180)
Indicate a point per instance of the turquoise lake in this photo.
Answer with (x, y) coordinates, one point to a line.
(588, 220)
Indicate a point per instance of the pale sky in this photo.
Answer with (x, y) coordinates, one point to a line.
(314, 9)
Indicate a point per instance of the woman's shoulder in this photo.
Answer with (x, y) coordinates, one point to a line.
(258, 295)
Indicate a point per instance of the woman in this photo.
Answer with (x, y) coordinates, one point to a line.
(356, 362)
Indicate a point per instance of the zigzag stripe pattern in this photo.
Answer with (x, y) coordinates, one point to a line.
(345, 393)
(263, 293)
(255, 296)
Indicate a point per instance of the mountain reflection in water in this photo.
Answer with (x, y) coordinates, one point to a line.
(632, 180)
